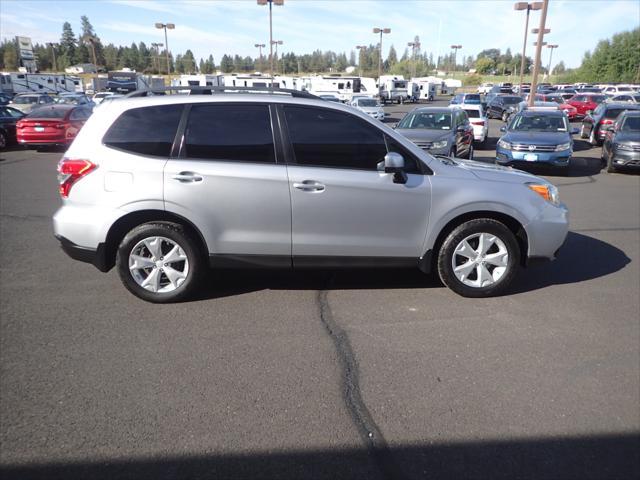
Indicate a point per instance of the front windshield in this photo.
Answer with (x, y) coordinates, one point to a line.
(539, 123)
(556, 99)
(367, 102)
(631, 124)
(25, 100)
(426, 120)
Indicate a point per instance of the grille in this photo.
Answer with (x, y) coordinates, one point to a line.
(424, 145)
(520, 147)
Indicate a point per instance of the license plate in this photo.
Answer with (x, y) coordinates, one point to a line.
(530, 157)
(39, 129)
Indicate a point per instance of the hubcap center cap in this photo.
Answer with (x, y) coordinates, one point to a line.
(159, 264)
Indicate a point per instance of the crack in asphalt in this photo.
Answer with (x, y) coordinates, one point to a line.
(362, 419)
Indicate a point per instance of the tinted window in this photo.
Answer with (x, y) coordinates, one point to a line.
(613, 112)
(80, 114)
(426, 120)
(230, 132)
(334, 139)
(473, 113)
(147, 130)
(48, 112)
(631, 124)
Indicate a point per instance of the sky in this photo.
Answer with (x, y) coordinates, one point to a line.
(234, 26)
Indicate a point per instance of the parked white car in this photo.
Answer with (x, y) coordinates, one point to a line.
(369, 106)
(485, 88)
(478, 120)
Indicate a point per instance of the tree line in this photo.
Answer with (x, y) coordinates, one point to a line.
(615, 60)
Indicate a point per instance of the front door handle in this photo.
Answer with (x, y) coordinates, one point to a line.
(309, 186)
(187, 177)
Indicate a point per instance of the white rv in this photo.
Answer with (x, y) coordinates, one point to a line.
(18, 82)
(204, 80)
(342, 87)
(393, 88)
(427, 87)
(249, 80)
(449, 86)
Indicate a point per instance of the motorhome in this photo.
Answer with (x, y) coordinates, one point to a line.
(127, 81)
(18, 82)
(249, 80)
(203, 80)
(393, 88)
(449, 86)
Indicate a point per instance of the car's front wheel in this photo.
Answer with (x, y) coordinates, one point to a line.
(159, 262)
(479, 258)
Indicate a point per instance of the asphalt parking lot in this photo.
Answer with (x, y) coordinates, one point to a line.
(314, 375)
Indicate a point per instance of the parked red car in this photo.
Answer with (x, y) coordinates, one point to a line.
(585, 102)
(52, 125)
(572, 111)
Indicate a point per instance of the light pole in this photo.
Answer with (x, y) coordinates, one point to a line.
(156, 58)
(271, 2)
(360, 49)
(536, 66)
(455, 49)
(276, 43)
(260, 46)
(528, 7)
(380, 30)
(551, 47)
(415, 46)
(91, 40)
(164, 26)
(53, 53)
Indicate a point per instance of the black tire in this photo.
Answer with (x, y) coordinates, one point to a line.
(3, 140)
(470, 152)
(175, 233)
(452, 152)
(593, 140)
(477, 226)
(610, 167)
(583, 134)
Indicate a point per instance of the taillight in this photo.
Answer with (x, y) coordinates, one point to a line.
(606, 121)
(481, 122)
(70, 171)
(60, 126)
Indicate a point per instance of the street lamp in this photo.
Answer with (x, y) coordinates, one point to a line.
(53, 53)
(528, 7)
(536, 65)
(276, 43)
(92, 41)
(271, 2)
(415, 46)
(551, 47)
(380, 30)
(360, 48)
(455, 49)
(156, 57)
(260, 46)
(164, 26)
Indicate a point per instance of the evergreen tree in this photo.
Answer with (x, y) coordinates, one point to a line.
(10, 58)
(226, 64)
(392, 58)
(67, 47)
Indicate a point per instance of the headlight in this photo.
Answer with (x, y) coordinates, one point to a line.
(563, 146)
(547, 191)
(440, 144)
(623, 146)
(504, 144)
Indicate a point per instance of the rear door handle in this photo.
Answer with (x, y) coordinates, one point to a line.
(187, 177)
(309, 186)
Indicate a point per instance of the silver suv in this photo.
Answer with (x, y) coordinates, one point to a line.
(163, 187)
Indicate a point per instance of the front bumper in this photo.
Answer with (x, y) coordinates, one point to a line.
(548, 232)
(626, 158)
(556, 159)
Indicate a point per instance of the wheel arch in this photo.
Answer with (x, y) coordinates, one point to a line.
(514, 225)
(126, 223)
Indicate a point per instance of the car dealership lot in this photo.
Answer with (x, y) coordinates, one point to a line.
(348, 374)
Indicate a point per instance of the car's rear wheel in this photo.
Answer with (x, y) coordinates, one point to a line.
(159, 262)
(593, 140)
(470, 153)
(479, 258)
(3, 141)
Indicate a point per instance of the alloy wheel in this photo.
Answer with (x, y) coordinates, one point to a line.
(480, 260)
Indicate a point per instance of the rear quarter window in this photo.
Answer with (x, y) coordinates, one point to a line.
(145, 130)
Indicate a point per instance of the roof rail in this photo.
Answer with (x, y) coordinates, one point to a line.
(200, 90)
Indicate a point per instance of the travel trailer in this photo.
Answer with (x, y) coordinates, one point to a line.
(18, 82)
(393, 88)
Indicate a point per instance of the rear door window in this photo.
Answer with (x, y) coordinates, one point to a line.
(146, 130)
(237, 133)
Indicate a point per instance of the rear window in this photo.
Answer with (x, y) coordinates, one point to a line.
(473, 113)
(147, 130)
(48, 112)
(613, 112)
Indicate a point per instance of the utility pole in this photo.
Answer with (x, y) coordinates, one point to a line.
(528, 7)
(361, 49)
(380, 30)
(164, 26)
(536, 66)
(53, 53)
(415, 46)
(552, 47)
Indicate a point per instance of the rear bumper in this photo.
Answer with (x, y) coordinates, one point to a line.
(97, 257)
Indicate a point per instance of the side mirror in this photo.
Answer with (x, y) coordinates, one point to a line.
(460, 128)
(503, 129)
(394, 163)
